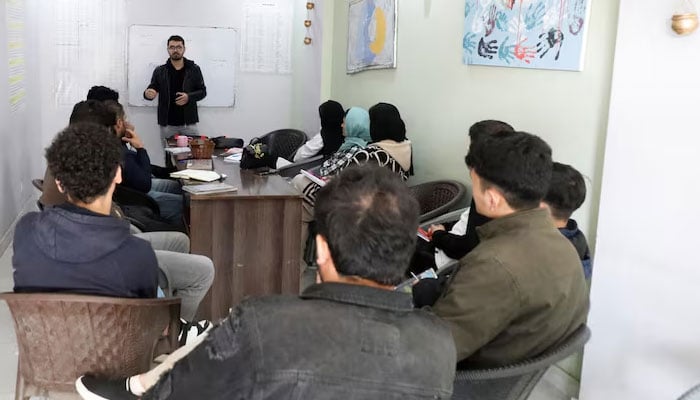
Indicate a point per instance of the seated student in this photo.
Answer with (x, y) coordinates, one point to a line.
(445, 247)
(137, 170)
(389, 148)
(329, 139)
(351, 336)
(187, 276)
(357, 137)
(521, 290)
(566, 194)
(77, 246)
(102, 93)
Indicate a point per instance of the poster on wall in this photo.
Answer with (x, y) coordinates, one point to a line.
(544, 34)
(371, 35)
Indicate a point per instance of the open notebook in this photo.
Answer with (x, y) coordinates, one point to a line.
(196, 174)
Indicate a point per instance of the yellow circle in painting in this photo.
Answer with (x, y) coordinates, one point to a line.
(379, 18)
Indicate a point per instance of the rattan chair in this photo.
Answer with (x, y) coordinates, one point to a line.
(516, 381)
(63, 336)
(284, 142)
(437, 197)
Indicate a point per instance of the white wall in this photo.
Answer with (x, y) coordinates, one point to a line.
(20, 151)
(646, 333)
(439, 97)
(264, 102)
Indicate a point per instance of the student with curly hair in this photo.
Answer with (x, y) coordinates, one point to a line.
(77, 246)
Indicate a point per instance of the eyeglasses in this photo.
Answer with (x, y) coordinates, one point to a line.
(176, 47)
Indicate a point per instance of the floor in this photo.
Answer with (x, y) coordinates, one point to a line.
(557, 384)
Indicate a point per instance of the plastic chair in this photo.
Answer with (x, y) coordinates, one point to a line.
(39, 184)
(292, 170)
(437, 197)
(63, 336)
(692, 394)
(516, 381)
(125, 196)
(284, 142)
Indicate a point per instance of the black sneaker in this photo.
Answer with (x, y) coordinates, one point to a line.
(190, 330)
(92, 388)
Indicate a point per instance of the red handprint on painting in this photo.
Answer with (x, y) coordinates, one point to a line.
(524, 53)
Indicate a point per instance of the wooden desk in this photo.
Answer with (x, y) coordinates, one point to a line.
(252, 235)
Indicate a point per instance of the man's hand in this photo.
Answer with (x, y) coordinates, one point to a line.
(150, 94)
(181, 98)
(133, 139)
(435, 228)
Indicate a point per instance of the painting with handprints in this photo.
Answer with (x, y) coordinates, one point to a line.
(547, 34)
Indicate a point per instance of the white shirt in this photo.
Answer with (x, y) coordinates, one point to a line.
(459, 228)
(310, 148)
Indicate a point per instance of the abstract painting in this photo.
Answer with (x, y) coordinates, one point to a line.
(546, 34)
(371, 35)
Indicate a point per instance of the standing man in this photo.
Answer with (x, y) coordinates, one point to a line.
(180, 84)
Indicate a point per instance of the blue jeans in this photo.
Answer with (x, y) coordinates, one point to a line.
(168, 194)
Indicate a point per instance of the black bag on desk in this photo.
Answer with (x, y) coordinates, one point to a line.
(223, 142)
(257, 155)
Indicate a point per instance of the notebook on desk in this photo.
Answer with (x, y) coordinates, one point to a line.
(196, 174)
(201, 164)
(209, 188)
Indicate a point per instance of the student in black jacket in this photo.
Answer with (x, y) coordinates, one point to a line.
(77, 246)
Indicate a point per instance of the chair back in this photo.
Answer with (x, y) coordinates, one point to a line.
(692, 394)
(63, 336)
(125, 196)
(516, 381)
(284, 142)
(437, 197)
(38, 184)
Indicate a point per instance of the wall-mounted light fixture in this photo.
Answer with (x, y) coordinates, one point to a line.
(685, 21)
(307, 22)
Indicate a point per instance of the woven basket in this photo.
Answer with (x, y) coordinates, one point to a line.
(202, 148)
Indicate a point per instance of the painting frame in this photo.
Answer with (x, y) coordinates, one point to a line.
(535, 34)
(372, 35)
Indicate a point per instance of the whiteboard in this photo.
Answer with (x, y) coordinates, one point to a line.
(215, 50)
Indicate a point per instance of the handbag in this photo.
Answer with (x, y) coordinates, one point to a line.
(257, 155)
(223, 142)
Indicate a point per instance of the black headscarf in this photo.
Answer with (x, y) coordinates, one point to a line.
(332, 114)
(385, 123)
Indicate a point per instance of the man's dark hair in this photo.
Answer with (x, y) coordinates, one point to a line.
(517, 163)
(369, 219)
(102, 93)
(93, 111)
(567, 191)
(176, 38)
(84, 158)
(116, 108)
(487, 127)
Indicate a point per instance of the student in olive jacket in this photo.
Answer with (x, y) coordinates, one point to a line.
(521, 290)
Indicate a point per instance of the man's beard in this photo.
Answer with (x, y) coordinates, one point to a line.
(176, 57)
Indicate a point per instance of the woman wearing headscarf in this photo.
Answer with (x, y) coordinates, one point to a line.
(329, 139)
(356, 132)
(390, 148)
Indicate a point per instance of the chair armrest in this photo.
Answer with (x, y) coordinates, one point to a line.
(291, 170)
(572, 344)
(447, 217)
